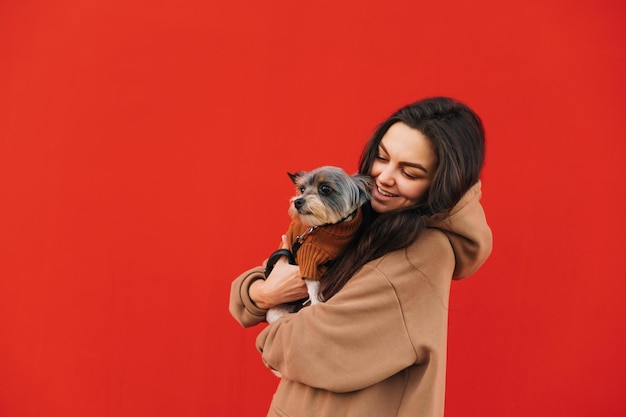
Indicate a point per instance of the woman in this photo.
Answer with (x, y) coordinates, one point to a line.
(377, 345)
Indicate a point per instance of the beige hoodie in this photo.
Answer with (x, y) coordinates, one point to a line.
(378, 347)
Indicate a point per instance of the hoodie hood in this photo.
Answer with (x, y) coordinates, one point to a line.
(468, 232)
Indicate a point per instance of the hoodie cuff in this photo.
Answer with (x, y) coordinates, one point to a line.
(245, 293)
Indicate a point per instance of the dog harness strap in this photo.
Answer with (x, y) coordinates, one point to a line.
(274, 257)
(300, 240)
(348, 217)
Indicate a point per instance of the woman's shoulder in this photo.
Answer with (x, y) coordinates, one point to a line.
(430, 254)
(420, 273)
(432, 244)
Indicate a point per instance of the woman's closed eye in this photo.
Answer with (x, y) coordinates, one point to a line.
(410, 175)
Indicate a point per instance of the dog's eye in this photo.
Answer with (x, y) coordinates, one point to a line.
(301, 189)
(325, 189)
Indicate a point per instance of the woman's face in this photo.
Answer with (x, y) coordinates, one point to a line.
(403, 168)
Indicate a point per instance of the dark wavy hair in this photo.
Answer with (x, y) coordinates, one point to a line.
(457, 136)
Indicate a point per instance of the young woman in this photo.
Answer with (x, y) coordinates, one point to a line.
(377, 345)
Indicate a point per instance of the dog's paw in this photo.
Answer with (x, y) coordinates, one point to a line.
(275, 313)
(313, 288)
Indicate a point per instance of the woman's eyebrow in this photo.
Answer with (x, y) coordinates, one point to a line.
(414, 165)
(405, 163)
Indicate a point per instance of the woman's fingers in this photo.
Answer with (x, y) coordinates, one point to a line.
(285, 243)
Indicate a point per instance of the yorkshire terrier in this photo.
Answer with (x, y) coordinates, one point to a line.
(325, 215)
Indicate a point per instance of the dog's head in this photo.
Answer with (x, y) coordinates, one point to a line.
(327, 195)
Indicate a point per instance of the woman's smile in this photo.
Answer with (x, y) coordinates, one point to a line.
(383, 193)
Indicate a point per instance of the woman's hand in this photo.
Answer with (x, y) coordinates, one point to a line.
(284, 284)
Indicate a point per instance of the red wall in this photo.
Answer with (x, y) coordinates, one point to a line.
(143, 151)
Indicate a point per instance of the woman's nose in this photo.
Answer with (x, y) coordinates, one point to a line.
(386, 176)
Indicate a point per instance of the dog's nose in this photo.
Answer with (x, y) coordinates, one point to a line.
(298, 203)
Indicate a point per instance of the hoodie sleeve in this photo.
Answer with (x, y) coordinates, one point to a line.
(468, 232)
(241, 306)
(390, 315)
(352, 341)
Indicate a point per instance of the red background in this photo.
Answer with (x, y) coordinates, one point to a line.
(143, 151)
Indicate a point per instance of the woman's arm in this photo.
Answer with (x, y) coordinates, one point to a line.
(353, 340)
(251, 295)
(241, 305)
(284, 284)
(391, 315)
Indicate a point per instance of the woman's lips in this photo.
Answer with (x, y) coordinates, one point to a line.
(384, 193)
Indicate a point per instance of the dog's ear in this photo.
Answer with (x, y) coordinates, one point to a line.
(294, 177)
(364, 183)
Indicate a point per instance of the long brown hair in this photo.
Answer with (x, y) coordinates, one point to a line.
(457, 136)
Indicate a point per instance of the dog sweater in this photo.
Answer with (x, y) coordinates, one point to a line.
(321, 245)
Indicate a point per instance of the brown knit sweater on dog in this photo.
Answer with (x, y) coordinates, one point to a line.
(323, 244)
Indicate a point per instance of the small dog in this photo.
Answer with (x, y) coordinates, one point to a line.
(325, 215)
